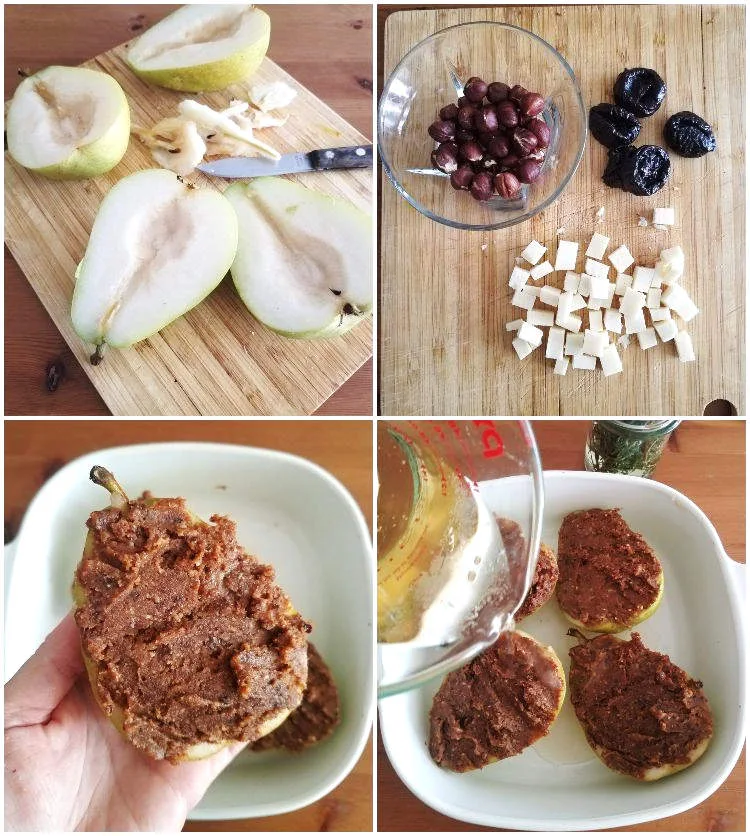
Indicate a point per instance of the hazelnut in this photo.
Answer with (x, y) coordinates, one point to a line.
(449, 112)
(481, 186)
(465, 116)
(471, 151)
(517, 92)
(442, 130)
(498, 148)
(523, 141)
(445, 157)
(532, 104)
(485, 120)
(462, 101)
(489, 164)
(475, 89)
(541, 131)
(462, 135)
(497, 92)
(461, 178)
(507, 115)
(510, 161)
(507, 185)
(485, 138)
(527, 171)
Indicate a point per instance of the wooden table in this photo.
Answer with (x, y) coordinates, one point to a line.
(303, 41)
(34, 450)
(705, 460)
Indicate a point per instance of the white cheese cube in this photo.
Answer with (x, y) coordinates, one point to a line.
(594, 342)
(676, 297)
(684, 346)
(597, 269)
(573, 344)
(610, 295)
(523, 299)
(563, 307)
(647, 338)
(561, 365)
(632, 302)
(653, 297)
(597, 246)
(656, 281)
(572, 323)
(571, 282)
(544, 318)
(596, 322)
(613, 321)
(664, 217)
(532, 290)
(621, 259)
(514, 325)
(550, 295)
(671, 265)
(584, 361)
(610, 360)
(543, 269)
(635, 322)
(584, 286)
(533, 252)
(599, 287)
(567, 253)
(578, 303)
(531, 334)
(642, 278)
(596, 304)
(555, 344)
(667, 330)
(518, 278)
(523, 349)
(659, 314)
(623, 283)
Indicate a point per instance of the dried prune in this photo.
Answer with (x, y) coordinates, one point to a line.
(640, 90)
(613, 126)
(641, 171)
(689, 135)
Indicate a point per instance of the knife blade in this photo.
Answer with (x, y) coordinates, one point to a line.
(324, 159)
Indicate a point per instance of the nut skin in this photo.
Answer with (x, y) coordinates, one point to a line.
(481, 186)
(442, 130)
(475, 90)
(541, 131)
(465, 117)
(523, 141)
(462, 177)
(507, 185)
(470, 152)
(517, 93)
(445, 157)
(507, 114)
(485, 120)
(497, 92)
(498, 148)
(527, 171)
(449, 112)
(532, 104)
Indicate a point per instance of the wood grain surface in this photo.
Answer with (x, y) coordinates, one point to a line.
(198, 365)
(35, 450)
(705, 460)
(444, 298)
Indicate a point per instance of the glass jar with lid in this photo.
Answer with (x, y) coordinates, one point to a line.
(632, 447)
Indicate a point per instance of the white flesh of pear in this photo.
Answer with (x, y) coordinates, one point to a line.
(197, 35)
(158, 247)
(60, 110)
(296, 248)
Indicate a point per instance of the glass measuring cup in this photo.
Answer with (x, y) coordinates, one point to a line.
(450, 577)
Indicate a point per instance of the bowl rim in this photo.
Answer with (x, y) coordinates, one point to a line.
(423, 210)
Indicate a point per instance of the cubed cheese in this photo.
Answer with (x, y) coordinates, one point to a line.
(584, 361)
(518, 278)
(543, 269)
(676, 297)
(561, 365)
(647, 338)
(599, 287)
(514, 325)
(664, 217)
(571, 282)
(623, 283)
(550, 295)
(684, 346)
(597, 246)
(642, 278)
(653, 298)
(533, 252)
(584, 285)
(635, 322)
(597, 269)
(573, 344)
(671, 265)
(594, 342)
(523, 299)
(632, 302)
(610, 360)
(667, 329)
(596, 323)
(523, 349)
(532, 290)
(578, 303)
(572, 323)
(567, 253)
(540, 317)
(531, 334)
(555, 343)
(563, 307)
(621, 259)
(659, 314)
(613, 321)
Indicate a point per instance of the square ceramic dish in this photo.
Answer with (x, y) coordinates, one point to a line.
(291, 514)
(559, 784)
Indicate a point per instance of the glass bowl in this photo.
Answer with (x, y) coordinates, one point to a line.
(432, 75)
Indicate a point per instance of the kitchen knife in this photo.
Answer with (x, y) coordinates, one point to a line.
(325, 159)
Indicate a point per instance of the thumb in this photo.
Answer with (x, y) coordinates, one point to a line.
(36, 690)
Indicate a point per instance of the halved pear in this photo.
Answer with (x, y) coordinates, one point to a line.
(68, 123)
(158, 247)
(202, 47)
(303, 265)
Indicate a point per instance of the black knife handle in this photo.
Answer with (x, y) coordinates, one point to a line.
(356, 156)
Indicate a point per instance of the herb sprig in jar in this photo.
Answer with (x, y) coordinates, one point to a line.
(630, 447)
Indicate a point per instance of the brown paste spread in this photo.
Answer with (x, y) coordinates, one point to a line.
(608, 573)
(545, 574)
(190, 637)
(495, 706)
(316, 717)
(636, 705)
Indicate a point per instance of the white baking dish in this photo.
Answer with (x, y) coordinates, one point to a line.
(559, 784)
(291, 514)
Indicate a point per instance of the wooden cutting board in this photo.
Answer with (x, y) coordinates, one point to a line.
(216, 360)
(444, 299)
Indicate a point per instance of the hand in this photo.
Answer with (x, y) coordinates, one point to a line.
(66, 766)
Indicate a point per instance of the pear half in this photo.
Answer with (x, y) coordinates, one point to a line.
(202, 47)
(303, 265)
(158, 247)
(68, 123)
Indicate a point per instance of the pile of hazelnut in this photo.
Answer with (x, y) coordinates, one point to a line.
(492, 140)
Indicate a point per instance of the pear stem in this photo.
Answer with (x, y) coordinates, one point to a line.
(101, 476)
(98, 355)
